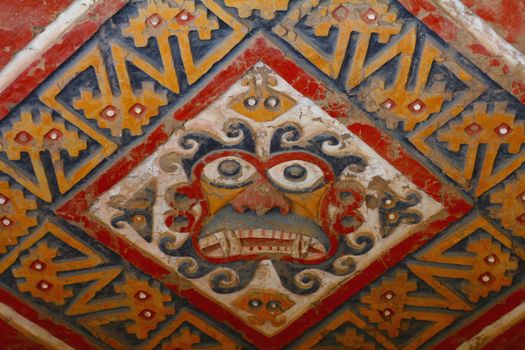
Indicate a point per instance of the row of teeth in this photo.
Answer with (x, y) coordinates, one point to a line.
(262, 233)
(231, 245)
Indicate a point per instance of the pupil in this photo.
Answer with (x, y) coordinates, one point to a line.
(348, 221)
(229, 168)
(346, 195)
(255, 303)
(273, 305)
(250, 102)
(271, 102)
(295, 172)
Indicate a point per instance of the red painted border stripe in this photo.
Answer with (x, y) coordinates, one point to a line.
(60, 331)
(499, 309)
(513, 338)
(57, 54)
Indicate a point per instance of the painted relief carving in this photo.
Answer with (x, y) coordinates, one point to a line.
(34, 134)
(242, 187)
(16, 215)
(511, 205)
(391, 308)
(180, 18)
(494, 129)
(367, 18)
(264, 174)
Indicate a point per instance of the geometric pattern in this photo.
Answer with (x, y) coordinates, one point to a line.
(113, 234)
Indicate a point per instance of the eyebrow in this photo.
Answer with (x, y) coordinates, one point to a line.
(314, 145)
(208, 144)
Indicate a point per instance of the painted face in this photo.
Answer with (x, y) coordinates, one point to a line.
(262, 187)
(261, 196)
(277, 208)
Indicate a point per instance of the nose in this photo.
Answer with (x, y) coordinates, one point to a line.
(260, 197)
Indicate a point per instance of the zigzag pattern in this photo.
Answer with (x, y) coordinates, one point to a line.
(393, 303)
(380, 59)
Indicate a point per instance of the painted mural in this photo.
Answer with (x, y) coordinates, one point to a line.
(263, 175)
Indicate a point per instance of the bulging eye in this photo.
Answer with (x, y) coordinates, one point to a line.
(296, 176)
(229, 172)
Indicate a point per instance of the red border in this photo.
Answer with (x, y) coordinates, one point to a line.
(499, 309)
(12, 338)
(513, 338)
(56, 54)
(75, 209)
(60, 331)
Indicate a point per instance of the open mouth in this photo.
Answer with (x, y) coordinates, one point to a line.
(229, 234)
(249, 242)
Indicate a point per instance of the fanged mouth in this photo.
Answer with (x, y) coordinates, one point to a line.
(235, 243)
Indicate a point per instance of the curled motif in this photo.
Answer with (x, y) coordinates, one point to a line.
(360, 243)
(187, 145)
(187, 266)
(173, 242)
(223, 278)
(118, 222)
(343, 265)
(170, 162)
(308, 281)
(327, 145)
(288, 135)
(333, 145)
(234, 132)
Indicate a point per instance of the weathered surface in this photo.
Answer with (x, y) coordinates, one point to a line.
(343, 174)
(22, 20)
(506, 16)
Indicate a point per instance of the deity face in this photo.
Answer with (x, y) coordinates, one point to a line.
(253, 208)
(272, 193)
(263, 188)
(263, 173)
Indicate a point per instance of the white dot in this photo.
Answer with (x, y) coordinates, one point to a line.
(23, 137)
(147, 314)
(6, 222)
(389, 295)
(391, 216)
(3, 200)
(491, 259)
(142, 295)
(155, 20)
(416, 107)
(388, 201)
(53, 135)
(110, 112)
(371, 16)
(387, 313)
(503, 130)
(38, 266)
(485, 278)
(272, 101)
(184, 17)
(388, 104)
(138, 109)
(523, 197)
(251, 101)
(44, 285)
